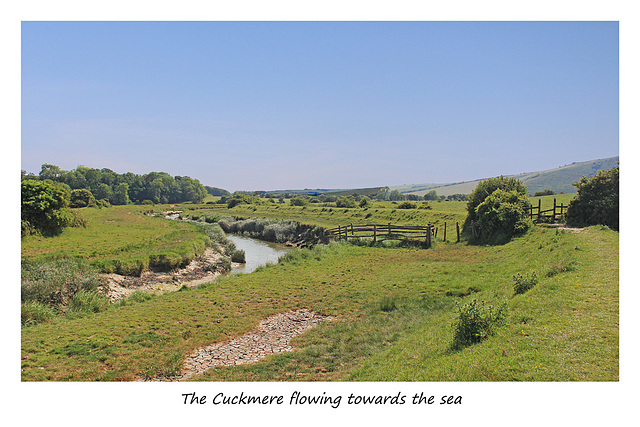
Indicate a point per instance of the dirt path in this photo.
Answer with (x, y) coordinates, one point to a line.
(201, 270)
(273, 335)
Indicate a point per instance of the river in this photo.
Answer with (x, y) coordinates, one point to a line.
(257, 253)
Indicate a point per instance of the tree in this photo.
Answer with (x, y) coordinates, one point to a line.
(51, 172)
(395, 195)
(431, 195)
(45, 207)
(120, 194)
(598, 200)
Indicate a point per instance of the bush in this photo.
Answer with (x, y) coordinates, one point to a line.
(476, 321)
(103, 203)
(81, 198)
(502, 215)
(407, 205)
(598, 201)
(522, 283)
(238, 256)
(487, 187)
(345, 202)
(299, 201)
(544, 193)
(45, 207)
(243, 198)
(264, 229)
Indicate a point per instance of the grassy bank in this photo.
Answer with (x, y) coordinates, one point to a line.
(121, 239)
(393, 309)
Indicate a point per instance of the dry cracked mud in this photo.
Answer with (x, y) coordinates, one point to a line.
(273, 335)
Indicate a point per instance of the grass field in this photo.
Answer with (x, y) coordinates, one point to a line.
(120, 239)
(564, 329)
(327, 215)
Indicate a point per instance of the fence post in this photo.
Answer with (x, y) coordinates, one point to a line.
(374, 233)
(458, 233)
(389, 229)
(539, 208)
(339, 232)
(427, 237)
(553, 218)
(444, 235)
(352, 229)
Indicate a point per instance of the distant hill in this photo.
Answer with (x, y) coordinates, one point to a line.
(559, 179)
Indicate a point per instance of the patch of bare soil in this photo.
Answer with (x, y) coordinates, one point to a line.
(201, 270)
(273, 335)
(573, 229)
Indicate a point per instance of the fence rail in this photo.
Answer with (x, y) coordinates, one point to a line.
(423, 234)
(554, 214)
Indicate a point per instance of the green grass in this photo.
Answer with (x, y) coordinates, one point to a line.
(393, 309)
(121, 239)
(328, 215)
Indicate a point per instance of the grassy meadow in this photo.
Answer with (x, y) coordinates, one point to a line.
(393, 309)
(328, 215)
(120, 239)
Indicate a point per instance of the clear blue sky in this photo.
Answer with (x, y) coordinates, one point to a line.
(288, 105)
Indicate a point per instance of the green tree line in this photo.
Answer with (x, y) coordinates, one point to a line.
(121, 189)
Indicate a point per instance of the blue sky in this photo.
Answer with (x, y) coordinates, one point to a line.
(277, 105)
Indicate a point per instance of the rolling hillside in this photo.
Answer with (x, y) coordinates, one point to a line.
(559, 179)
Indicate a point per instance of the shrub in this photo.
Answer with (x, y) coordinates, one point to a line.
(502, 215)
(522, 283)
(476, 321)
(365, 202)
(103, 203)
(598, 200)
(299, 201)
(345, 202)
(243, 198)
(238, 256)
(487, 187)
(81, 198)
(44, 208)
(265, 229)
(407, 205)
(544, 193)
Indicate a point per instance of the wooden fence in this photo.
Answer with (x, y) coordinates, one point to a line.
(423, 234)
(548, 215)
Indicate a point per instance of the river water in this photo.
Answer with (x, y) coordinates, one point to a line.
(257, 253)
